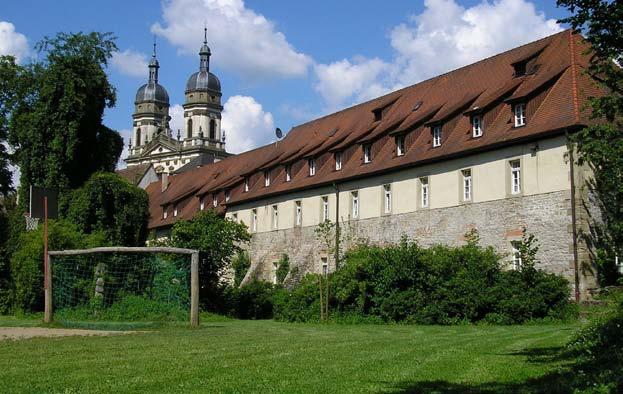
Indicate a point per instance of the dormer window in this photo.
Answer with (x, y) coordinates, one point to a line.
(266, 178)
(400, 145)
(477, 126)
(246, 184)
(311, 163)
(378, 114)
(338, 161)
(520, 114)
(164, 212)
(520, 68)
(367, 153)
(202, 204)
(214, 200)
(436, 136)
(175, 210)
(227, 195)
(288, 172)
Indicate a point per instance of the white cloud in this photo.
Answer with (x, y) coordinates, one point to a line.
(443, 37)
(176, 112)
(126, 134)
(130, 63)
(240, 39)
(246, 124)
(12, 42)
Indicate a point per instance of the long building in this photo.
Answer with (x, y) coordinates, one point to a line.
(482, 147)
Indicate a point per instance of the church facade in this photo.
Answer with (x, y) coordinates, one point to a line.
(484, 147)
(202, 141)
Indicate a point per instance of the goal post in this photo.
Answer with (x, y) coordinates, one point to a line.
(97, 274)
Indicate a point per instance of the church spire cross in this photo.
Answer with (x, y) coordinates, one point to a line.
(204, 52)
(153, 66)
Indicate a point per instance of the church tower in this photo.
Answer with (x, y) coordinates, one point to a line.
(201, 141)
(202, 106)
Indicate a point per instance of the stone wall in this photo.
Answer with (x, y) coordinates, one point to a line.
(547, 216)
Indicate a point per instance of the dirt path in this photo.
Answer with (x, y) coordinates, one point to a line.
(32, 332)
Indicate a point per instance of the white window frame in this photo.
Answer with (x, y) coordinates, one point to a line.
(338, 160)
(515, 169)
(367, 153)
(254, 220)
(164, 212)
(325, 208)
(477, 126)
(400, 145)
(298, 213)
(387, 199)
(275, 216)
(311, 164)
(246, 184)
(174, 210)
(325, 265)
(467, 184)
(355, 204)
(227, 195)
(516, 260)
(266, 178)
(214, 200)
(202, 203)
(288, 172)
(436, 136)
(520, 114)
(424, 192)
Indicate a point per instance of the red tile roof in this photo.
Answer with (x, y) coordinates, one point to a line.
(554, 88)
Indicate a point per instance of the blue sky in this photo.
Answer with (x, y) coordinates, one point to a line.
(282, 63)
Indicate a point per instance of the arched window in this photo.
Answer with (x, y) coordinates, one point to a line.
(189, 130)
(212, 129)
(137, 140)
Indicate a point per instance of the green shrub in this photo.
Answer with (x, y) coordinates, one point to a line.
(283, 268)
(240, 264)
(437, 285)
(254, 300)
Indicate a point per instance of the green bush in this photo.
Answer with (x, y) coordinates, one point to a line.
(240, 264)
(254, 301)
(437, 285)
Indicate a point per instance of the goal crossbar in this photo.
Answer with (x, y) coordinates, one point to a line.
(194, 272)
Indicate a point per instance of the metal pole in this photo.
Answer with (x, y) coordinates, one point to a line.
(47, 269)
(194, 290)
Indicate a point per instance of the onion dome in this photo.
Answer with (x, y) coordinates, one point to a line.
(204, 80)
(152, 91)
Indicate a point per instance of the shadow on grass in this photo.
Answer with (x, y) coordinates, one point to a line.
(554, 382)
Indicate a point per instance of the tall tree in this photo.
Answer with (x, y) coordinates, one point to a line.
(57, 132)
(10, 75)
(601, 145)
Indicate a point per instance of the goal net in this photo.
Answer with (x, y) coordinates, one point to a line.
(122, 287)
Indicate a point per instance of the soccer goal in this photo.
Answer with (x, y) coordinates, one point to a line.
(126, 285)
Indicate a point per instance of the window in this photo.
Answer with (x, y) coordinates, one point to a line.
(400, 145)
(436, 136)
(520, 114)
(227, 195)
(378, 114)
(164, 212)
(246, 184)
(387, 193)
(467, 185)
(325, 208)
(367, 153)
(516, 255)
(298, 214)
(477, 126)
(254, 220)
(325, 265)
(515, 177)
(425, 192)
(288, 172)
(175, 210)
(311, 163)
(214, 200)
(275, 217)
(355, 204)
(266, 178)
(338, 160)
(202, 203)
(212, 129)
(189, 129)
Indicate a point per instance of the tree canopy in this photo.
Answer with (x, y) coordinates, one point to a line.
(55, 126)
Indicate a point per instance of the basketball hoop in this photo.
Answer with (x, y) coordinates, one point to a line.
(31, 223)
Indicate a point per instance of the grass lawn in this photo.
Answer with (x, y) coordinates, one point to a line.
(267, 356)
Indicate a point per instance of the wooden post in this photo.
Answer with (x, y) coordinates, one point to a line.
(47, 269)
(194, 290)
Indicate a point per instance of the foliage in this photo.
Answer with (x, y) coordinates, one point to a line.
(598, 348)
(438, 285)
(253, 300)
(26, 263)
(600, 146)
(112, 205)
(218, 240)
(5, 280)
(283, 268)
(55, 125)
(10, 81)
(240, 264)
